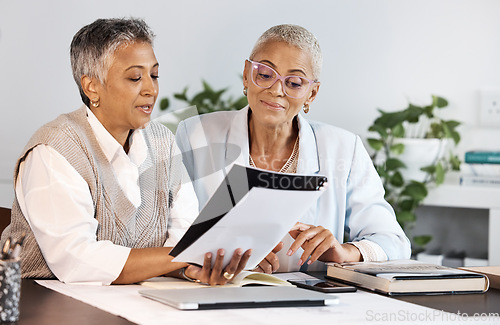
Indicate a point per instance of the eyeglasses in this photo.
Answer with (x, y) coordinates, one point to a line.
(264, 76)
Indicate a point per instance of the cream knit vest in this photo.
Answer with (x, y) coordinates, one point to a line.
(119, 221)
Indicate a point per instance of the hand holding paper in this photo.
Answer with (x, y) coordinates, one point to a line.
(219, 275)
(251, 209)
(319, 243)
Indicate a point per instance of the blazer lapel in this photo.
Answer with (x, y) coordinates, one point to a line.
(237, 150)
(308, 149)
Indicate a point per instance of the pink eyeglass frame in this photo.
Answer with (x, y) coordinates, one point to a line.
(279, 77)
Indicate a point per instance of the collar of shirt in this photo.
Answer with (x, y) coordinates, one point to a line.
(125, 167)
(111, 148)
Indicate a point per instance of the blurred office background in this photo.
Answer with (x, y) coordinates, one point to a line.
(377, 54)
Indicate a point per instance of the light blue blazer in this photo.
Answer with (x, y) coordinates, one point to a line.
(354, 199)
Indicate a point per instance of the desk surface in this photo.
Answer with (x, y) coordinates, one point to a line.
(41, 306)
(470, 304)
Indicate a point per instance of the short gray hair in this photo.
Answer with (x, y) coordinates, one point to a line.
(94, 45)
(293, 35)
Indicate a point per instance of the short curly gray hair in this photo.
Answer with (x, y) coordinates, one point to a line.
(93, 46)
(293, 35)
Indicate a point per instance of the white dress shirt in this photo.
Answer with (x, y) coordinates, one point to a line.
(58, 206)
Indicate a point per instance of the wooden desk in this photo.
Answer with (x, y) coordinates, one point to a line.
(470, 304)
(41, 306)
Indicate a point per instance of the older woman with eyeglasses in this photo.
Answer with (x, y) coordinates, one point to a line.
(280, 79)
(100, 192)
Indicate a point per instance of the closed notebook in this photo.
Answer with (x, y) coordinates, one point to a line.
(408, 277)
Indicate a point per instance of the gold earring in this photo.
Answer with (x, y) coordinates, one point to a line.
(306, 108)
(245, 91)
(95, 103)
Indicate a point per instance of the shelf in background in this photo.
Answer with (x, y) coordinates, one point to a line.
(452, 194)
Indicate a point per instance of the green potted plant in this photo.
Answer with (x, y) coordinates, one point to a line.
(205, 101)
(405, 138)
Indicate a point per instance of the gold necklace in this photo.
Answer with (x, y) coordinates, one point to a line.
(290, 165)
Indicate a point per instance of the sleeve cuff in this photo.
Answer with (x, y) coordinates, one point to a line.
(370, 251)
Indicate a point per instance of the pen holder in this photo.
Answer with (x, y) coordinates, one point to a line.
(10, 290)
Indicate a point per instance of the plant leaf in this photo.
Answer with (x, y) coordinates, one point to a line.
(422, 240)
(428, 110)
(415, 190)
(379, 129)
(390, 120)
(375, 143)
(393, 164)
(408, 205)
(455, 162)
(431, 169)
(164, 103)
(215, 96)
(397, 179)
(206, 86)
(439, 173)
(414, 113)
(455, 136)
(405, 216)
(398, 131)
(452, 124)
(439, 102)
(397, 148)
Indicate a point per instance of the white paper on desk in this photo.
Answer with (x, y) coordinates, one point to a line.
(258, 222)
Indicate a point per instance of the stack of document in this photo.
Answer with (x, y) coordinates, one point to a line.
(251, 209)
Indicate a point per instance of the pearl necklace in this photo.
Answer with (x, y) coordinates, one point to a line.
(290, 165)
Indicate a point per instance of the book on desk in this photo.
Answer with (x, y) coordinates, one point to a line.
(408, 277)
(244, 278)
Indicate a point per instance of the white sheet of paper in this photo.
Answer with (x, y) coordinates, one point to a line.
(258, 222)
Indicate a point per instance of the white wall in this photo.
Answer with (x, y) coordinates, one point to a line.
(377, 54)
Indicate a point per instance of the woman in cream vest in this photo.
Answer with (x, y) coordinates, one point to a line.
(100, 192)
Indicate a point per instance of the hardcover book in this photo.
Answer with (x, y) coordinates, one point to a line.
(408, 277)
(482, 157)
(472, 180)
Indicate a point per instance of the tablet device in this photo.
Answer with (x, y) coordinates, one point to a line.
(239, 297)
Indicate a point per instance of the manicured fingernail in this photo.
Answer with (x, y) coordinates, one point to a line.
(300, 262)
(289, 253)
(239, 252)
(309, 262)
(209, 255)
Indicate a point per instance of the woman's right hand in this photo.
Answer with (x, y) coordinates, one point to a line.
(271, 262)
(215, 275)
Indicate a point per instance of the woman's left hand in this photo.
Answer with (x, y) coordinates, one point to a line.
(219, 275)
(319, 243)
